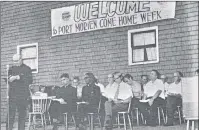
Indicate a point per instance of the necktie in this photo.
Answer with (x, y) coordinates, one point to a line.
(117, 92)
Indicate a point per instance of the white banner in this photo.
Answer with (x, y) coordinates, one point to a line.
(108, 14)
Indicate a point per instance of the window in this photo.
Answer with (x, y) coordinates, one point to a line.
(143, 46)
(29, 53)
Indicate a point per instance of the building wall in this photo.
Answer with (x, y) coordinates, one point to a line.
(102, 51)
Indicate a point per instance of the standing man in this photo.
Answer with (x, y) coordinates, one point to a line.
(20, 77)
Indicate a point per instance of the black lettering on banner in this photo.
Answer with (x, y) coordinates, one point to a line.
(136, 7)
(54, 31)
(108, 22)
(120, 7)
(150, 16)
(77, 13)
(143, 17)
(128, 20)
(158, 15)
(93, 10)
(102, 10)
(111, 12)
(86, 26)
(81, 12)
(65, 29)
(131, 6)
(144, 7)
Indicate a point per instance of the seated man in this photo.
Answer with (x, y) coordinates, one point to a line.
(164, 79)
(154, 91)
(90, 94)
(174, 97)
(78, 86)
(67, 97)
(118, 100)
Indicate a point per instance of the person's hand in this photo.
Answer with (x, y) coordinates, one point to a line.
(61, 100)
(151, 101)
(17, 77)
(12, 78)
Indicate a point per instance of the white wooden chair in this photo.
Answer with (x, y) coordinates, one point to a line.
(39, 107)
(124, 114)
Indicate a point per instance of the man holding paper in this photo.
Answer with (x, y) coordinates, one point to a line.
(66, 97)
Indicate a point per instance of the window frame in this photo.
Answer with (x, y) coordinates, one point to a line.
(19, 47)
(130, 50)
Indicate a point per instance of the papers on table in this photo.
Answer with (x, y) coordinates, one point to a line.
(60, 101)
(82, 103)
(147, 100)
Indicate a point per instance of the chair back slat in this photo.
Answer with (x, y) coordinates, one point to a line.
(39, 104)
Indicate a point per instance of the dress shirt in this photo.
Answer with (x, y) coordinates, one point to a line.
(125, 90)
(175, 88)
(166, 86)
(136, 88)
(101, 88)
(109, 91)
(79, 90)
(152, 87)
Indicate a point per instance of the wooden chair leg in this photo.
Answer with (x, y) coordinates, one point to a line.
(125, 127)
(118, 120)
(158, 115)
(29, 121)
(66, 121)
(163, 116)
(137, 116)
(192, 125)
(179, 115)
(130, 123)
(187, 124)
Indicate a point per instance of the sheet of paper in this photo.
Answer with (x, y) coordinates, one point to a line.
(151, 53)
(138, 55)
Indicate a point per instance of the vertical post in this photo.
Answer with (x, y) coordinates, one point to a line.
(7, 78)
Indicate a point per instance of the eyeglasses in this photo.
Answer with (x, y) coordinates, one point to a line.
(118, 77)
(86, 77)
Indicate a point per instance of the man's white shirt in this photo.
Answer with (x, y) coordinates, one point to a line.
(152, 87)
(125, 91)
(175, 88)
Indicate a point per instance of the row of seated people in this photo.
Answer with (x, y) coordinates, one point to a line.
(116, 96)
